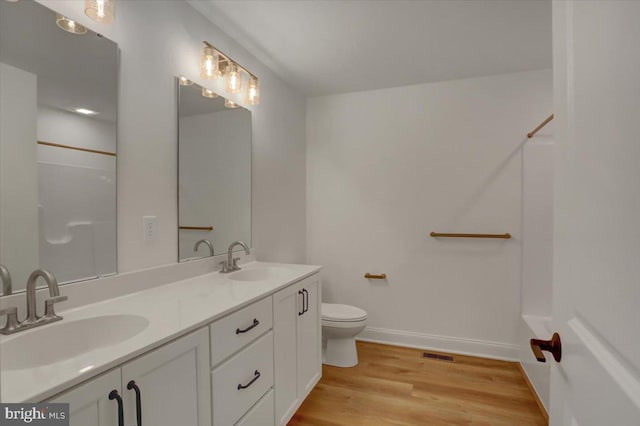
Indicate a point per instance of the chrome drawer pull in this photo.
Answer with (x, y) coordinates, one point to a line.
(251, 327)
(256, 377)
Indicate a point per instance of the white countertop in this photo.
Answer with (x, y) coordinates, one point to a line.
(173, 310)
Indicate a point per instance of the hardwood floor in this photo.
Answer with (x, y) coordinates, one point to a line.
(397, 386)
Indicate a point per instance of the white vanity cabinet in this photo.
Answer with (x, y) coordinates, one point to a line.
(297, 345)
(242, 362)
(252, 367)
(173, 383)
(174, 388)
(89, 403)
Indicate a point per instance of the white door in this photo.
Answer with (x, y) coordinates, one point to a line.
(89, 404)
(174, 383)
(287, 307)
(309, 338)
(596, 292)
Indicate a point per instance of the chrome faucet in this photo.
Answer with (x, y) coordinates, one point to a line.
(232, 264)
(207, 242)
(5, 280)
(13, 325)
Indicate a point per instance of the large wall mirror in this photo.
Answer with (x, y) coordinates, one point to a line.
(214, 172)
(58, 109)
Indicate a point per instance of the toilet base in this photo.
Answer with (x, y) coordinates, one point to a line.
(340, 352)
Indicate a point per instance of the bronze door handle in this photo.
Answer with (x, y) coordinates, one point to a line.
(554, 346)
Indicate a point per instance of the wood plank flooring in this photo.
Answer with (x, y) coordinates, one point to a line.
(397, 386)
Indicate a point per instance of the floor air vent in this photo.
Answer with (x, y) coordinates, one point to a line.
(438, 357)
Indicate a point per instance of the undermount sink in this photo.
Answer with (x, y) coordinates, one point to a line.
(260, 274)
(68, 339)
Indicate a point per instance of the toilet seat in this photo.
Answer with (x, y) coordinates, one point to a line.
(334, 312)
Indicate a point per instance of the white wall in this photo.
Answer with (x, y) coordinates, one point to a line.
(537, 256)
(386, 167)
(157, 41)
(19, 217)
(215, 180)
(537, 226)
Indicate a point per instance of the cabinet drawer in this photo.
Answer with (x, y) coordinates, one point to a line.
(262, 414)
(251, 368)
(237, 330)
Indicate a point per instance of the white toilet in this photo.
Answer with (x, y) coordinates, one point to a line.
(340, 325)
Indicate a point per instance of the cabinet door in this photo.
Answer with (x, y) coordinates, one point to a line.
(89, 404)
(309, 339)
(174, 384)
(287, 304)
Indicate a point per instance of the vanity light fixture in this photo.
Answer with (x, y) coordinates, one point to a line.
(69, 25)
(230, 104)
(184, 81)
(208, 93)
(209, 63)
(103, 11)
(215, 64)
(253, 91)
(234, 79)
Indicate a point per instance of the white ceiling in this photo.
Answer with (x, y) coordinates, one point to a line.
(325, 47)
(74, 71)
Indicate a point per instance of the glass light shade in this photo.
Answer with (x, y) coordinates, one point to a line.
(70, 26)
(209, 63)
(234, 79)
(230, 104)
(208, 93)
(184, 81)
(253, 91)
(103, 11)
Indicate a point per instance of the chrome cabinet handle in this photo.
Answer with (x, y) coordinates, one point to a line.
(305, 301)
(114, 395)
(256, 376)
(251, 327)
(132, 385)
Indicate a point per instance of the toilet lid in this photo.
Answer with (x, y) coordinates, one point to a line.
(337, 312)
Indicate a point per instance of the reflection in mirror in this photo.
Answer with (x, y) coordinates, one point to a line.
(58, 91)
(214, 173)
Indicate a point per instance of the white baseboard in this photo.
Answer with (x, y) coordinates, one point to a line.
(480, 348)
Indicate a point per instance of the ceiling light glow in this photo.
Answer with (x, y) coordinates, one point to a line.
(85, 111)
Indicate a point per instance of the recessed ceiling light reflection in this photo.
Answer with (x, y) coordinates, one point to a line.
(70, 25)
(85, 111)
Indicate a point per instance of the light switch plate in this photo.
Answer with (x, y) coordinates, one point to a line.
(150, 227)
